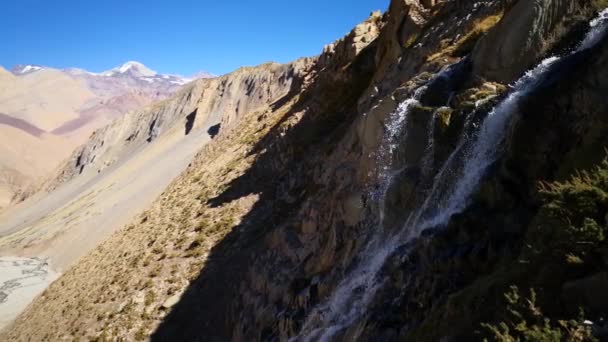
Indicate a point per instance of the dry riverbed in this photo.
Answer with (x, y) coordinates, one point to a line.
(21, 279)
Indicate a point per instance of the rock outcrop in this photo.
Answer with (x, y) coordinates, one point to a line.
(215, 101)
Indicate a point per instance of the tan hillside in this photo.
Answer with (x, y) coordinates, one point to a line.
(7, 79)
(31, 106)
(46, 98)
(71, 104)
(246, 104)
(25, 157)
(126, 165)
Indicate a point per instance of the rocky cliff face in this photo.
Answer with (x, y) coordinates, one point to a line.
(205, 103)
(391, 192)
(158, 140)
(46, 109)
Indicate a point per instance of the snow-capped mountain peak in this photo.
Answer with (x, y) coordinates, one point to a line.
(25, 69)
(132, 67)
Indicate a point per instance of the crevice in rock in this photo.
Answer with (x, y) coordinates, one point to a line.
(79, 160)
(190, 121)
(151, 132)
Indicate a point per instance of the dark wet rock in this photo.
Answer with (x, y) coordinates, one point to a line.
(528, 30)
(589, 292)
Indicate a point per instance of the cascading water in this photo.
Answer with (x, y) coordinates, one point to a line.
(356, 291)
(482, 152)
(479, 153)
(384, 157)
(597, 32)
(351, 298)
(429, 153)
(361, 281)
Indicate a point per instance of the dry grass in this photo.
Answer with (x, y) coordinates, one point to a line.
(467, 42)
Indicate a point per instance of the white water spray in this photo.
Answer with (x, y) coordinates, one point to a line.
(482, 154)
(354, 293)
(397, 122)
(598, 28)
(360, 286)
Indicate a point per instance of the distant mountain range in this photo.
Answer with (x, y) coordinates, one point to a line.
(63, 107)
(132, 69)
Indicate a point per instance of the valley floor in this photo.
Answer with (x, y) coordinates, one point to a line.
(66, 224)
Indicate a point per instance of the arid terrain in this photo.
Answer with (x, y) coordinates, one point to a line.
(46, 113)
(440, 173)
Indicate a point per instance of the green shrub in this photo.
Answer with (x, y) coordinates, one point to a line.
(526, 322)
(571, 225)
(566, 241)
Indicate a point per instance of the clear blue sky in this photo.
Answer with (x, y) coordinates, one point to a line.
(172, 36)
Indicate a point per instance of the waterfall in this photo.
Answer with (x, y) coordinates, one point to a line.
(480, 154)
(355, 292)
(483, 151)
(598, 26)
(429, 152)
(397, 122)
(469, 162)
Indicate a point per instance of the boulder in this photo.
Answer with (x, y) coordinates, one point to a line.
(171, 301)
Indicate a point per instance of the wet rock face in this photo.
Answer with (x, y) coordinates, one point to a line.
(443, 261)
(527, 31)
(401, 197)
(449, 282)
(571, 111)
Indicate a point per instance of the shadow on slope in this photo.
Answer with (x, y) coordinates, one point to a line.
(282, 177)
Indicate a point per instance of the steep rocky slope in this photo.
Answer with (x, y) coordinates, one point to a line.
(396, 191)
(107, 170)
(128, 163)
(57, 110)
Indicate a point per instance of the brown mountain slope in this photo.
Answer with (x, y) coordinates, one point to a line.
(244, 121)
(126, 164)
(72, 103)
(255, 238)
(26, 153)
(45, 98)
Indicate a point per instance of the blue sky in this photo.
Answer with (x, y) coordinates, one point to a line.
(172, 36)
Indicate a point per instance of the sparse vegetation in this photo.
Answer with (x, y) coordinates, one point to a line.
(155, 271)
(149, 298)
(567, 241)
(466, 43)
(526, 322)
(600, 4)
